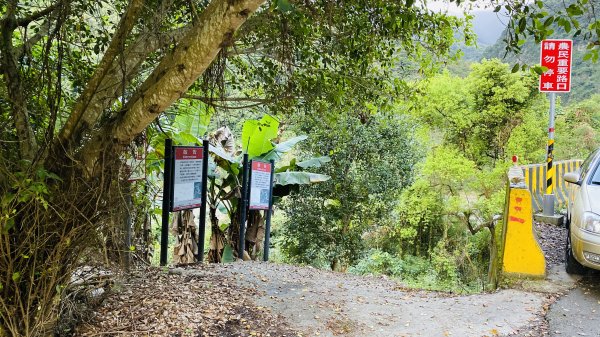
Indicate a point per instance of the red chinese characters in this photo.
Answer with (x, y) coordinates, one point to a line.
(556, 56)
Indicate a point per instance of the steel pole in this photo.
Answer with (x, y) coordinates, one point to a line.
(166, 204)
(269, 212)
(202, 222)
(243, 205)
(549, 196)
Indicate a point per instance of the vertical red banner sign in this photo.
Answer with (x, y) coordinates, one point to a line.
(556, 55)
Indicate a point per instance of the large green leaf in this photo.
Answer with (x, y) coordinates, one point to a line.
(257, 135)
(299, 178)
(219, 151)
(283, 147)
(191, 121)
(314, 162)
(185, 138)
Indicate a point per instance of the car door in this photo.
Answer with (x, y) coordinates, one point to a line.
(575, 205)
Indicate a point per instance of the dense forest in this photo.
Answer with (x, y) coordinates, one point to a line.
(387, 160)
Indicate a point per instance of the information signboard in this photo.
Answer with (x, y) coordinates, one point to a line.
(556, 55)
(260, 185)
(187, 177)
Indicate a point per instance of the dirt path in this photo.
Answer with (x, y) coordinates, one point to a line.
(266, 299)
(328, 304)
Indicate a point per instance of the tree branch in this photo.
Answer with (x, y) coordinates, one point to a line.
(256, 101)
(226, 99)
(72, 126)
(173, 76)
(22, 22)
(27, 44)
(130, 60)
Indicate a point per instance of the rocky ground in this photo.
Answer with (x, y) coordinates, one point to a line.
(266, 299)
(553, 240)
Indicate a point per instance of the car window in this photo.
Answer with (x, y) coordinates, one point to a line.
(585, 167)
(596, 177)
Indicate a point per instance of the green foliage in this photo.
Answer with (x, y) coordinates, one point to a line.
(478, 113)
(371, 161)
(528, 139)
(542, 19)
(440, 272)
(299, 178)
(420, 216)
(227, 254)
(258, 134)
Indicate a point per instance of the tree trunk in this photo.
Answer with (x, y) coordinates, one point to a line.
(177, 71)
(494, 260)
(14, 85)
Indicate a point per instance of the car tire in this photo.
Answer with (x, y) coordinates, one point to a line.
(572, 266)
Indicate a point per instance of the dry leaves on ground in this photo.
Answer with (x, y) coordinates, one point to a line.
(153, 302)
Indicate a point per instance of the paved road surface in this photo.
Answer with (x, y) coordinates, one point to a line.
(578, 312)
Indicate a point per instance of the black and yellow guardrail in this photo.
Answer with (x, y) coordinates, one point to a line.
(536, 180)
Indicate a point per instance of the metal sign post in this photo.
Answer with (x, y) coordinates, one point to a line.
(166, 204)
(243, 206)
(202, 222)
(549, 196)
(556, 56)
(269, 211)
(260, 192)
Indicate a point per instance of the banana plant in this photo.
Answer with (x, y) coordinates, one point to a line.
(225, 182)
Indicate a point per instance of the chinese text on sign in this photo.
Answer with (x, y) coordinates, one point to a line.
(556, 56)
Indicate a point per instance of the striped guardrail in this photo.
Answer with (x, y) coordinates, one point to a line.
(535, 178)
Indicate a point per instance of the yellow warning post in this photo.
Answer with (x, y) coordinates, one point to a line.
(522, 252)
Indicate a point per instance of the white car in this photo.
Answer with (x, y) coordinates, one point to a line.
(583, 216)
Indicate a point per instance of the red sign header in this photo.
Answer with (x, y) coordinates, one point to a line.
(183, 153)
(556, 55)
(261, 166)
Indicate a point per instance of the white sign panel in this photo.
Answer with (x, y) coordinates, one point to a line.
(260, 185)
(187, 178)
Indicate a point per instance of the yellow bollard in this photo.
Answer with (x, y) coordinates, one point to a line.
(522, 254)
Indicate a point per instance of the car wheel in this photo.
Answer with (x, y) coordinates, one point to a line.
(572, 266)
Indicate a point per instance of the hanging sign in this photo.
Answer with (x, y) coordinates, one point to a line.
(260, 185)
(187, 177)
(556, 55)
